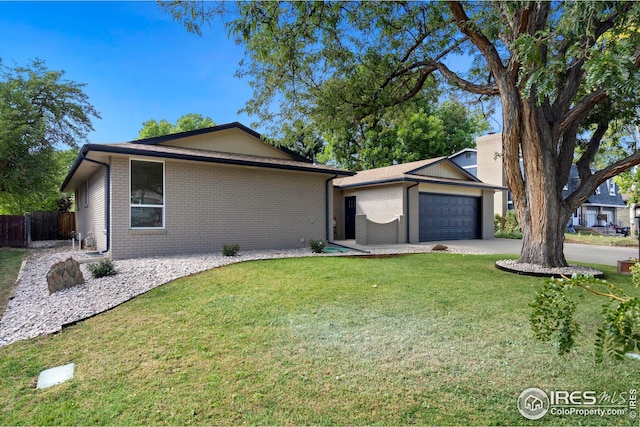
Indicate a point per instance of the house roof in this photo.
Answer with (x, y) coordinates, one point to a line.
(419, 171)
(464, 150)
(163, 139)
(151, 148)
(602, 199)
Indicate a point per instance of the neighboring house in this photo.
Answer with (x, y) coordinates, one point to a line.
(604, 207)
(198, 190)
(427, 200)
(467, 159)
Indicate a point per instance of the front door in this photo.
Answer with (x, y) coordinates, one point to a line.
(350, 218)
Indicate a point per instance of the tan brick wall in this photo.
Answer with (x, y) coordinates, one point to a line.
(380, 204)
(375, 233)
(490, 168)
(208, 205)
(91, 217)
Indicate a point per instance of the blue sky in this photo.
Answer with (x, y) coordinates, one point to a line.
(138, 64)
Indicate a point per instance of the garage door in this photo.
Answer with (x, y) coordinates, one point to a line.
(448, 217)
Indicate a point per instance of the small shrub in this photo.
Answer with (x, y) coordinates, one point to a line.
(102, 268)
(230, 249)
(317, 246)
(507, 226)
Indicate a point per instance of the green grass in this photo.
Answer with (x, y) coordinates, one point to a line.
(581, 237)
(10, 261)
(596, 239)
(431, 339)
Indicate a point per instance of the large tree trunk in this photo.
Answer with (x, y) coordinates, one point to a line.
(531, 164)
(543, 235)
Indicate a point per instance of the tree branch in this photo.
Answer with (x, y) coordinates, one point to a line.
(582, 108)
(575, 72)
(602, 294)
(584, 163)
(456, 80)
(485, 46)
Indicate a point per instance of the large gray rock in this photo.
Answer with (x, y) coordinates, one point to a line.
(63, 275)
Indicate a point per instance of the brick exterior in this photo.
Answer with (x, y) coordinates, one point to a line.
(208, 205)
(90, 217)
(390, 213)
(490, 167)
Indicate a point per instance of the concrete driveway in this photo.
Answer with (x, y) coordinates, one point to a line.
(573, 252)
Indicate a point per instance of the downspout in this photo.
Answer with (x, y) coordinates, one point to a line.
(409, 212)
(107, 197)
(326, 203)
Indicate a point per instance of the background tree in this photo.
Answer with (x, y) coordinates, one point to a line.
(416, 131)
(152, 128)
(557, 68)
(46, 197)
(41, 115)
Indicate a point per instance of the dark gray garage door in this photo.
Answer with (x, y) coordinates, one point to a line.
(446, 217)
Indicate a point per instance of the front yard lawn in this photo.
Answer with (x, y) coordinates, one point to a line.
(10, 262)
(431, 339)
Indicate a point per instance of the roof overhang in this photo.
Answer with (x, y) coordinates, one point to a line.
(426, 180)
(81, 168)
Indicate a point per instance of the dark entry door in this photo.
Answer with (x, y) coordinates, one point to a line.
(350, 218)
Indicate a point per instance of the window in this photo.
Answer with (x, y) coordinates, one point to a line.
(598, 191)
(147, 194)
(612, 187)
(86, 194)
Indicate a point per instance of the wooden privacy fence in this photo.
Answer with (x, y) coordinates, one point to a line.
(18, 231)
(13, 231)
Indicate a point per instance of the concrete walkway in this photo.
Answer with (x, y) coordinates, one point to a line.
(573, 252)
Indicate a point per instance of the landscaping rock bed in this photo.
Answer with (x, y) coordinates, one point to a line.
(33, 311)
(513, 266)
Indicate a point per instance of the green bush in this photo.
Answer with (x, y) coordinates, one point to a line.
(230, 249)
(102, 268)
(507, 226)
(317, 246)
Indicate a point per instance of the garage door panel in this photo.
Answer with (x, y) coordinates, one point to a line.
(447, 217)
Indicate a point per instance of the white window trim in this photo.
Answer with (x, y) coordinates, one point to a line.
(612, 187)
(164, 202)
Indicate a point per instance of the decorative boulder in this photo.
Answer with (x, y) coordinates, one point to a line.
(64, 274)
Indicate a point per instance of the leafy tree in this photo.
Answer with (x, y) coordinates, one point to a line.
(553, 316)
(557, 68)
(299, 139)
(46, 197)
(41, 113)
(625, 142)
(152, 128)
(417, 131)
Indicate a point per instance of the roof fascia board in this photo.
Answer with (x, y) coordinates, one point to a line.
(425, 180)
(449, 162)
(604, 205)
(86, 149)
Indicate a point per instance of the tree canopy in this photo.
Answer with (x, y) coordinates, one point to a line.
(191, 121)
(559, 69)
(415, 132)
(41, 115)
